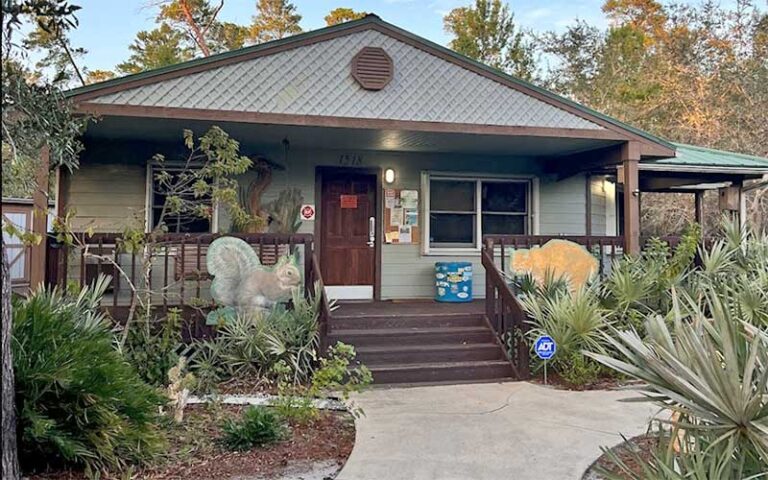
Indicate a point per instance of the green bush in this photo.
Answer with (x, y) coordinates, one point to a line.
(79, 402)
(251, 345)
(710, 368)
(153, 348)
(706, 361)
(258, 426)
(337, 375)
(637, 286)
(578, 369)
(575, 321)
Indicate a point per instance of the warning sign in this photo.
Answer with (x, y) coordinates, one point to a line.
(307, 212)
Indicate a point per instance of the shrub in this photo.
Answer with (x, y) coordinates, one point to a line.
(258, 426)
(710, 367)
(206, 364)
(292, 335)
(578, 369)
(251, 345)
(154, 348)
(79, 402)
(336, 374)
(637, 286)
(575, 321)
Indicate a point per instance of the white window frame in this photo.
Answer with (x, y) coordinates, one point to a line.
(149, 211)
(532, 221)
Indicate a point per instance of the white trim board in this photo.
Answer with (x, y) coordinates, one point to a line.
(349, 292)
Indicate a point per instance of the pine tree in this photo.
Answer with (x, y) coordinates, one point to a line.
(341, 15)
(486, 32)
(275, 19)
(156, 48)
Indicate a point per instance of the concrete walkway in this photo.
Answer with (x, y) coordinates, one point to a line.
(514, 431)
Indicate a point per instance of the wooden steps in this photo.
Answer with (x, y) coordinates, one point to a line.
(440, 372)
(431, 345)
(410, 354)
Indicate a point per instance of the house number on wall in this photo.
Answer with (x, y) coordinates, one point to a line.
(350, 160)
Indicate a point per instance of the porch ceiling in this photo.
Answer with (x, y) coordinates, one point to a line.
(256, 137)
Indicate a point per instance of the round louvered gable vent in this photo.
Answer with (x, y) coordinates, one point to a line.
(372, 68)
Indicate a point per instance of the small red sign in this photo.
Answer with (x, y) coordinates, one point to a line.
(348, 201)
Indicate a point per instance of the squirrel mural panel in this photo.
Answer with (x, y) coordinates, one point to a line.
(241, 284)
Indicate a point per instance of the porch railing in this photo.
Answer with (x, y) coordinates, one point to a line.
(503, 309)
(175, 270)
(175, 274)
(324, 315)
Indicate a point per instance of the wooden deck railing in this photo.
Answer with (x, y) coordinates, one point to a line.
(503, 309)
(177, 272)
(506, 315)
(324, 315)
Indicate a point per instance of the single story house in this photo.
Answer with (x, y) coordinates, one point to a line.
(397, 153)
(405, 153)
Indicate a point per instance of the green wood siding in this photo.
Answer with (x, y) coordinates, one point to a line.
(107, 195)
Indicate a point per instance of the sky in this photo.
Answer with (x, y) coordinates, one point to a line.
(107, 27)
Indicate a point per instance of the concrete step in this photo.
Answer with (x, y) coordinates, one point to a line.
(440, 353)
(412, 336)
(384, 320)
(441, 372)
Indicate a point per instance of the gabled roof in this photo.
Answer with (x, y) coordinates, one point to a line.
(691, 158)
(655, 146)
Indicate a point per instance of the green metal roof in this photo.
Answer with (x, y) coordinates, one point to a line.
(694, 156)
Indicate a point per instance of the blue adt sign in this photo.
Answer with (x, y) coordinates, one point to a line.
(545, 347)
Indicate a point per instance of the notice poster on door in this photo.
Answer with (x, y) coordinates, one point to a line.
(401, 216)
(348, 201)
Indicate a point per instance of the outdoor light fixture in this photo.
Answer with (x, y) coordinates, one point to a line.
(389, 175)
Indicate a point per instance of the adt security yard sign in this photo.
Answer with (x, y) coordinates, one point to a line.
(545, 347)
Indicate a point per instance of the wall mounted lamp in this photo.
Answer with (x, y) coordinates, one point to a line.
(389, 175)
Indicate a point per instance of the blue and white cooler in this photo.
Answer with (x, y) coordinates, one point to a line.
(453, 281)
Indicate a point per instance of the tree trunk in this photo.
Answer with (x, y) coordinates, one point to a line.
(10, 456)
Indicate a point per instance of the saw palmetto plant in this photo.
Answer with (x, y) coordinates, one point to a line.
(709, 365)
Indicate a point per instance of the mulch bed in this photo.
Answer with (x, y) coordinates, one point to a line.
(195, 450)
(642, 445)
(602, 383)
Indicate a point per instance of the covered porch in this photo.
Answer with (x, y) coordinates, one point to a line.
(587, 189)
(115, 182)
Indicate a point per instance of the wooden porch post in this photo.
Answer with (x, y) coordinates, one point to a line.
(742, 205)
(63, 182)
(699, 208)
(588, 209)
(630, 158)
(40, 221)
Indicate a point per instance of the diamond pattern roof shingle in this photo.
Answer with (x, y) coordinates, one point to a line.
(316, 80)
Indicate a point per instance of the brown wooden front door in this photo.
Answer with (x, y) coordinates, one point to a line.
(348, 203)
